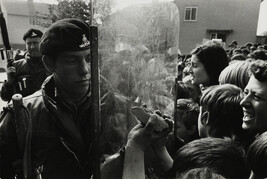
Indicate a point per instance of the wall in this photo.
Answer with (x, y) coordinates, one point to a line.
(241, 16)
(18, 19)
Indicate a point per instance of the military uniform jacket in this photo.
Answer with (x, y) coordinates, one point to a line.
(29, 77)
(62, 136)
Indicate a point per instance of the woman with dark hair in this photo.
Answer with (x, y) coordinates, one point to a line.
(207, 62)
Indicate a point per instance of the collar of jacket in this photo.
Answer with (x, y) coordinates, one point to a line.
(49, 91)
(34, 61)
(63, 117)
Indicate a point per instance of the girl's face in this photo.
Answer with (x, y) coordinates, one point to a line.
(198, 74)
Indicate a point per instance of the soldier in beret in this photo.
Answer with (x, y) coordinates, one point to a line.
(25, 76)
(60, 136)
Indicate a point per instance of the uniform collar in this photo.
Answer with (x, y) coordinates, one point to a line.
(51, 92)
(33, 61)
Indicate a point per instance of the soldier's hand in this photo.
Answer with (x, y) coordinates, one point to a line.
(11, 71)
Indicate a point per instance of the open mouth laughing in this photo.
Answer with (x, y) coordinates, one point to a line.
(249, 117)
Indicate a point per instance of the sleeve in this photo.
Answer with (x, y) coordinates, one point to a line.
(112, 167)
(116, 122)
(6, 92)
(9, 152)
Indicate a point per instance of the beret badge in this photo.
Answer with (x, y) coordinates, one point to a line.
(85, 42)
(33, 34)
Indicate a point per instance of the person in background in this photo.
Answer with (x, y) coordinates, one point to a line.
(207, 62)
(183, 91)
(238, 56)
(259, 55)
(248, 45)
(199, 173)
(221, 114)
(224, 156)
(245, 52)
(186, 125)
(252, 48)
(173, 57)
(233, 44)
(187, 122)
(25, 76)
(186, 78)
(237, 51)
(257, 157)
(237, 73)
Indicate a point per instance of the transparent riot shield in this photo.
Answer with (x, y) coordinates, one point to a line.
(139, 49)
(138, 56)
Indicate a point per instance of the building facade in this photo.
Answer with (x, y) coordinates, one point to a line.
(227, 20)
(199, 20)
(20, 16)
(262, 23)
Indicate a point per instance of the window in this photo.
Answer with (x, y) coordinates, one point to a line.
(190, 14)
(218, 34)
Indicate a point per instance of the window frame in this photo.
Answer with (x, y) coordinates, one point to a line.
(218, 33)
(215, 34)
(191, 10)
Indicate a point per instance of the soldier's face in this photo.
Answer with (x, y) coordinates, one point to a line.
(32, 46)
(72, 72)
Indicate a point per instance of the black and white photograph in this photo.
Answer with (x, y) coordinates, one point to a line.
(133, 89)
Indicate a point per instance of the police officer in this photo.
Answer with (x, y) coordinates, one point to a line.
(26, 75)
(62, 131)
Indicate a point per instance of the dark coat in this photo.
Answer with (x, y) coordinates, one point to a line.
(29, 77)
(62, 136)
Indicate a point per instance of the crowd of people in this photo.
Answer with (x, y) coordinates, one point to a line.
(228, 96)
(205, 112)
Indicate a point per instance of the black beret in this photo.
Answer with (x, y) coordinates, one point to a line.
(65, 35)
(32, 33)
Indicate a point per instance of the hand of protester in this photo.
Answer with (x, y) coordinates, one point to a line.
(11, 74)
(141, 137)
(183, 103)
(162, 141)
